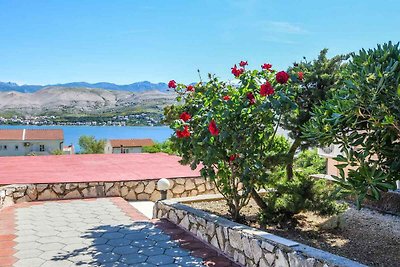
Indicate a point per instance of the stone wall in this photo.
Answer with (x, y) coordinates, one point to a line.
(245, 245)
(129, 190)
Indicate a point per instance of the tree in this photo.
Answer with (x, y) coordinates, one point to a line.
(313, 83)
(363, 118)
(230, 130)
(165, 147)
(90, 145)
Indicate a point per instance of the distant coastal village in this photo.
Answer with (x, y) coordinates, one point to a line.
(139, 119)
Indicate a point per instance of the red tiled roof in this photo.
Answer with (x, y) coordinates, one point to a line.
(31, 134)
(8, 134)
(131, 142)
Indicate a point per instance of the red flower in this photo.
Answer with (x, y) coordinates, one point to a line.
(243, 63)
(212, 127)
(226, 97)
(233, 157)
(266, 89)
(190, 88)
(282, 77)
(237, 72)
(172, 84)
(251, 98)
(300, 75)
(266, 66)
(184, 133)
(185, 116)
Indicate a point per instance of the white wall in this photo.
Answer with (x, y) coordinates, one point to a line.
(34, 147)
(117, 150)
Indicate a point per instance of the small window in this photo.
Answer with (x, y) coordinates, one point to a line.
(41, 148)
(5, 147)
(16, 147)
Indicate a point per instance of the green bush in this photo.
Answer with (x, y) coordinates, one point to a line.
(165, 147)
(301, 193)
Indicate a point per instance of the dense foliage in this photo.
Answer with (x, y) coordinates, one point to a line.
(288, 197)
(313, 82)
(363, 118)
(230, 129)
(165, 147)
(89, 145)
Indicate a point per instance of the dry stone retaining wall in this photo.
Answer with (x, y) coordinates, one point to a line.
(245, 245)
(129, 190)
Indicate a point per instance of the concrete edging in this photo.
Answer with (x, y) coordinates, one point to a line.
(246, 245)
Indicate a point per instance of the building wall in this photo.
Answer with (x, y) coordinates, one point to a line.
(34, 147)
(108, 149)
(129, 150)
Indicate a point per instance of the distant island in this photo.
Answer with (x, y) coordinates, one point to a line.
(81, 103)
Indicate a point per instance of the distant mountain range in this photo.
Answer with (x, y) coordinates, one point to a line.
(133, 87)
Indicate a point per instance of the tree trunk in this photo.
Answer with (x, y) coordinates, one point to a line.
(258, 199)
(290, 159)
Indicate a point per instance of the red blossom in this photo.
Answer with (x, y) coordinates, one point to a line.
(243, 63)
(212, 127)
(185, 116)
(190, 88)
(266, 66)
(300, 75)
(237, 72)
(172, 84)
(226, 97)
(233, 157)
(266, 89)
(282, 77)
(251, 98)
(184, 133)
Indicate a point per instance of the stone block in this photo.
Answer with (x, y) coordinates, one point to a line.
(178, 189)
(131, 195)
(47, 194)
(139, 188)
(189, 185)
(143, 196)
(201, 188)
(235, 239)
(124, 191)
(180, 181)
(155, 195)
(150, 187)
(41, 187)
(199, 181)
(73, 194)
(281, 260)
(256, 249)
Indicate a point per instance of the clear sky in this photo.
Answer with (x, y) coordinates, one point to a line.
(46, 42)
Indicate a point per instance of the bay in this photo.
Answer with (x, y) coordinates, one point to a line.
(72, 133)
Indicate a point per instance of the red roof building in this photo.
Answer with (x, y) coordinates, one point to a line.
(22, 142)
(123, 146)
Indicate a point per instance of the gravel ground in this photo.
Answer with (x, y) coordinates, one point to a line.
(366, 236)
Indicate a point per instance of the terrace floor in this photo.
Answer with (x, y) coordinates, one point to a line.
(91, 168)
(96, 232)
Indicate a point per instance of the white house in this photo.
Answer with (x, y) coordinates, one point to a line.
(22, 142)
(122, 146)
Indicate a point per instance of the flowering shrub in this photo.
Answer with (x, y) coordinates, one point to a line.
(229, 128)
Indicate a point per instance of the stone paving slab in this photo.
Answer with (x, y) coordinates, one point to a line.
(96, 232)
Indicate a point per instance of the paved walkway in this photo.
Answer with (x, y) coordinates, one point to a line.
(96, 232)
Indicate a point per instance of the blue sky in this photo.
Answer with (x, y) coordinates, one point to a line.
(45, 42)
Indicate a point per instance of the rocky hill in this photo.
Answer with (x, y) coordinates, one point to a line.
(133, 87)
(79, 100)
